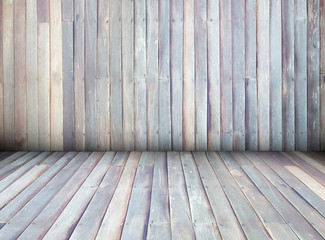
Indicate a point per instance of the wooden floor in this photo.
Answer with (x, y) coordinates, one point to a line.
(146, 195)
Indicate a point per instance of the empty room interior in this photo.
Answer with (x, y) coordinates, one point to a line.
(162, 119)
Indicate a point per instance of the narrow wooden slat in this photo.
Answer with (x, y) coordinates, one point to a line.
(91, 125)
(276, 75)
(43, 56)
(68, 86)
(113, 220)
(238, 60)
(79, 68)
(313, 108)
(90, 221)
(164, 115)
(226, 219)
(137, 216)
(301, 74)
(43, 14)
(180, 215)
(159, 219)
(226, 109)
(270, 218)
(41, 224)
(213, 76)
(69, 217)
(2, 139)
(288, 90)
(7, 161)
(35, 206)
(12, 208)
(115, 76)
(140, 117)
(67, 10)
(263, 71)
(56, 89)
(188, 78)
(103, 84)
(251, 138)
(206, 231)
(127, 74)
(322, 72)
(201, 75)
(246, 216)
(152, 75)
(317, 162)
(176, 72)
(31, 75)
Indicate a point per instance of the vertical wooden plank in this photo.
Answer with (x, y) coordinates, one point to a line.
(115, 75)
(213, 76)
(43, 64)
(2, 140)
(163, 74)
(127, 74)
(103, 86)
(201, 75)
(90, 74)
(301, 74)
(68, 86)
(31, 75)
(176, 58)
(43, 14)
(288, 103)
(20, 75)
(226, 76)
(164, 115)
(152, 75)
(79, 80)
(313, 127)
(67, 10)
(263, 59)
(188, 78)
(140, 114)
(275, 76)
(322, 71)
(238, 69)
(251, 140)
(56, 76)
(140, 75)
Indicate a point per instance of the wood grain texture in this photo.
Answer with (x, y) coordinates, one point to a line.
(322, 71)
(2, 139)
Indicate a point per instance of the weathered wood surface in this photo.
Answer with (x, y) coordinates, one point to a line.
(162, 75)
(159, 195)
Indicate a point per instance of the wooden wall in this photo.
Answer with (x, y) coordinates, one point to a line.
(162, 75)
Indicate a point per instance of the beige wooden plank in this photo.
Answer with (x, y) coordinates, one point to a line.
(61, 228)
(42, 223)
(180, 213)
(12, 208)
(226, 109)
(90, 221)
(140, 117)
(238, 60)
(56, 92)
(43, 64)
(25, 216)
(79, 68)
(313, 108)
(127, 74)
(188, 78)
(137, 215)
(276, 74)
(91, 127)
(114, 217)
(246, 216)
(311, 160)
(43, 14)
(159, 218)
(2, 138)
(226, 219)
(20, 76)
(307, 211)
(31, 75)
(152, 75)
(263, 77)
(213, 76)
(164, 115)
